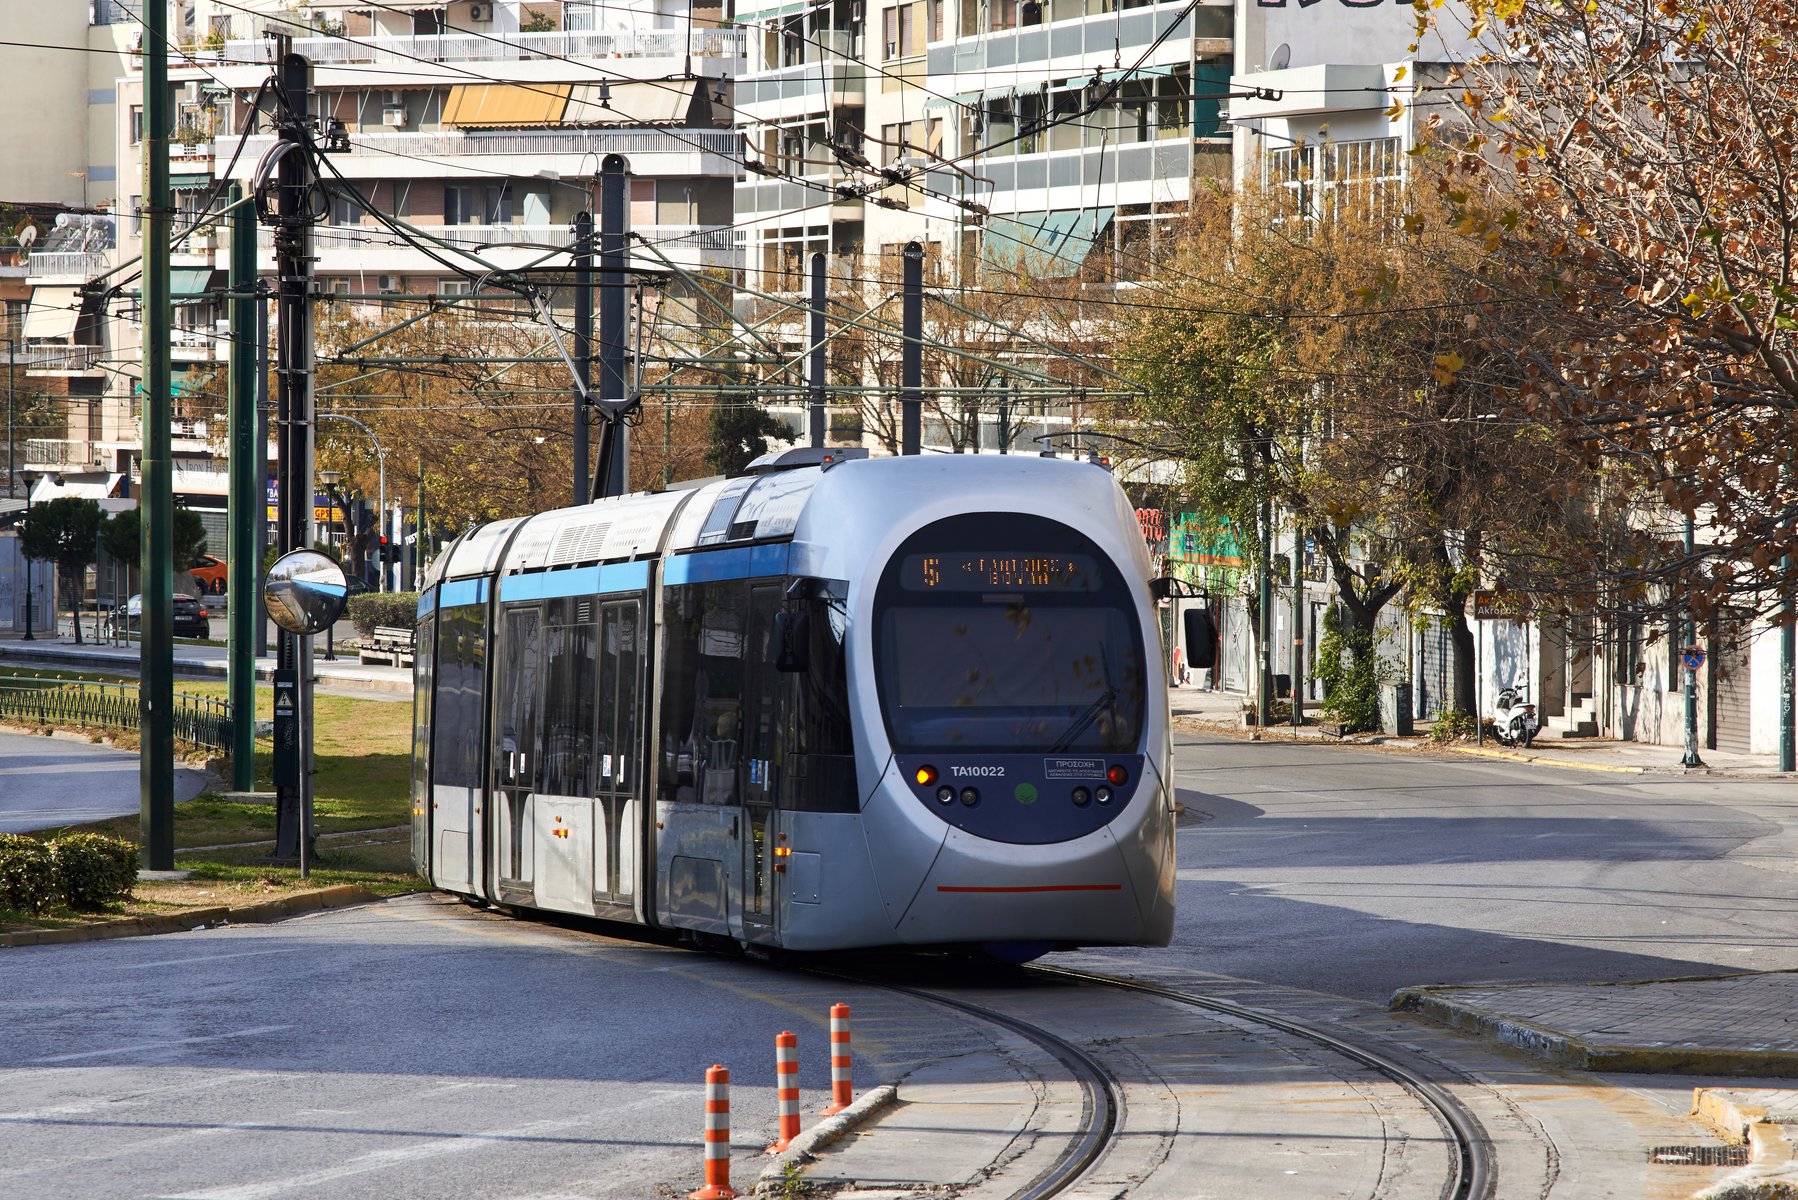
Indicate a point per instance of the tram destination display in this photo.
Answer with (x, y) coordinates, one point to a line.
(966, 572)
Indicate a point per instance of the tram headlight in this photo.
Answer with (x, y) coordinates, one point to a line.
(970, 796)
(1117, 775)
(925, 776)
(945, 794)
(1082, 797)
(1102, 795)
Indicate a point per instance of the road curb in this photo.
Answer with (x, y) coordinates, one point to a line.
(805, 1147)
(339, 896)
(1570, 1051)
(1544, 760)
(1772, 1170)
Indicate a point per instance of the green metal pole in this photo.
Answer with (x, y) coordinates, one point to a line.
(156, 695)
(1265, 688)
(246, 504)
(1691, 758)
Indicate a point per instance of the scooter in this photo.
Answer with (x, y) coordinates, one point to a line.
(1515, 720)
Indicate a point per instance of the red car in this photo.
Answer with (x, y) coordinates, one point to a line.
(209, 573)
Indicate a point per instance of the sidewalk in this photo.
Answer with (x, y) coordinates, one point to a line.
(62, 652)
(1223, 710)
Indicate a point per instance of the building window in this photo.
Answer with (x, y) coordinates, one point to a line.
(1328, 178)
(904, 26)
(459, 207)
(137, 124)
(498, 209)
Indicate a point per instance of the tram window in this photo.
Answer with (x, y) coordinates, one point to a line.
(565, 768)
(819, 718)
(618, 650)
(424, 640)
(460, 668)
(702, 692)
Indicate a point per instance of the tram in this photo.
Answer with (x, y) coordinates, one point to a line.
(836, 702)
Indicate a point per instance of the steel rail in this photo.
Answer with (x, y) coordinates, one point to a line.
(1473, 1175)
(1100, 1100)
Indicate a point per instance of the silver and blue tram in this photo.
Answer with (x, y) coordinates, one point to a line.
(829, 704)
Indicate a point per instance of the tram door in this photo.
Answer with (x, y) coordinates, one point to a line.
(515, 750)
(619, 760)
(760, 772)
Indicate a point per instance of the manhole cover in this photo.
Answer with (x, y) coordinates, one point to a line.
(1699, 1156)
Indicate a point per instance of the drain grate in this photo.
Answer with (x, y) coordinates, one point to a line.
(1699, 1156)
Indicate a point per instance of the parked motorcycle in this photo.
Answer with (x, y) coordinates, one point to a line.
(1515, 722)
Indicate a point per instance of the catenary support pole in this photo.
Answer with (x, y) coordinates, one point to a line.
(293, 410)
(1788, 635)
(613, 477)
(261, 466)
(583, 353)
(156, 500)
(817, 381)
(911, 352)
(1004, 414)
(246, 503)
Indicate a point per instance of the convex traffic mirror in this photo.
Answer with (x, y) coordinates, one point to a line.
(305, 592)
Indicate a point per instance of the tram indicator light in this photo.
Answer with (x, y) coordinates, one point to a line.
(925, 776)
(1117, 775)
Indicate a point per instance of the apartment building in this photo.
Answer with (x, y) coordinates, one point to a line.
(482, 125)
(1040, 136)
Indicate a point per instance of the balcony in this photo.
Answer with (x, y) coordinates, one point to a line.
(700, 151)
(57, 454)
(510, 47)
(57, 358)
(193, 345)
(366, 252)
(74, 264)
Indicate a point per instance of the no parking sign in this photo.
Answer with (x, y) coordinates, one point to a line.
(1692, 657)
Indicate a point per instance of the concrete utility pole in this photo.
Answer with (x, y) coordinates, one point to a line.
(583, 352)
(911, 352)
(290, 203)
(817, 364)
(156, 689)
(247, 500)
(615, 401)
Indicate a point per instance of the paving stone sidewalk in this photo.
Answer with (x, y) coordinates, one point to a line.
(1734, 1025)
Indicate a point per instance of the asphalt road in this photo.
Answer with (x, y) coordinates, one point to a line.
(410, 1049)
(49, 782)
(1356, 872)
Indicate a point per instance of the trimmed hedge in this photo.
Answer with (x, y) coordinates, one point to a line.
(94, 870)
(399, 609)
(82, 870)
(28, 879)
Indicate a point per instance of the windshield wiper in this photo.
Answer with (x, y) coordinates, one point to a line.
(1087, 716)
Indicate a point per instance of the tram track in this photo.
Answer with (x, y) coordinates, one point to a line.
(1472, 1174)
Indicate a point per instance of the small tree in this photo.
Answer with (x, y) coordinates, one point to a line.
(123, 536)
(64, 531)
(739, 434)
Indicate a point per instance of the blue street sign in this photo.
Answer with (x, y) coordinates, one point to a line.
(1692, 657)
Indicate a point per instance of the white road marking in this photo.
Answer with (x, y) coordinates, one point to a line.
(379, 1160)
(216, 1037)
(198, 958)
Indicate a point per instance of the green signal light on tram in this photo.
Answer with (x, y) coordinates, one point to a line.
(1024, 793)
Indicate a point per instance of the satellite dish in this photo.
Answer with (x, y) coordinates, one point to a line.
(1282, 58)
(27, 237)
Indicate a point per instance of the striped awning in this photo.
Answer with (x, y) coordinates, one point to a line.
(634, 103)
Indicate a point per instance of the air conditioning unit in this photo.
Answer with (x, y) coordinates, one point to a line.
(394, 116)
(388, 285)
(480, 12)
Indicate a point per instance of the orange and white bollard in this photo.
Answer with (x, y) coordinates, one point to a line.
(841, 1089)
(717, 1137)
(786, 1089)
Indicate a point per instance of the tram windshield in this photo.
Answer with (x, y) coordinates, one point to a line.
(1007, 634)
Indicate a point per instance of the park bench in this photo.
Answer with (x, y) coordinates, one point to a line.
(388, 644)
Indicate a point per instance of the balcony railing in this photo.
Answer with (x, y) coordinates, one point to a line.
(84, 263)
(57, 453)
(721, 142)
(509, 47)
(55, 356)
(670, 239)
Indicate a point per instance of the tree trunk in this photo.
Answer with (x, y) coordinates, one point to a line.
(1460, 634)
(72, 584)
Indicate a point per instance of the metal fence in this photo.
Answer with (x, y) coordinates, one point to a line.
(52, 700)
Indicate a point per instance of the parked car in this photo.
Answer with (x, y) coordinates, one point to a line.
(190, 617)
(209, 573)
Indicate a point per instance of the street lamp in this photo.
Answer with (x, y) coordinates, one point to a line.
(381, 472)
(329, 479)
(31, 478)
